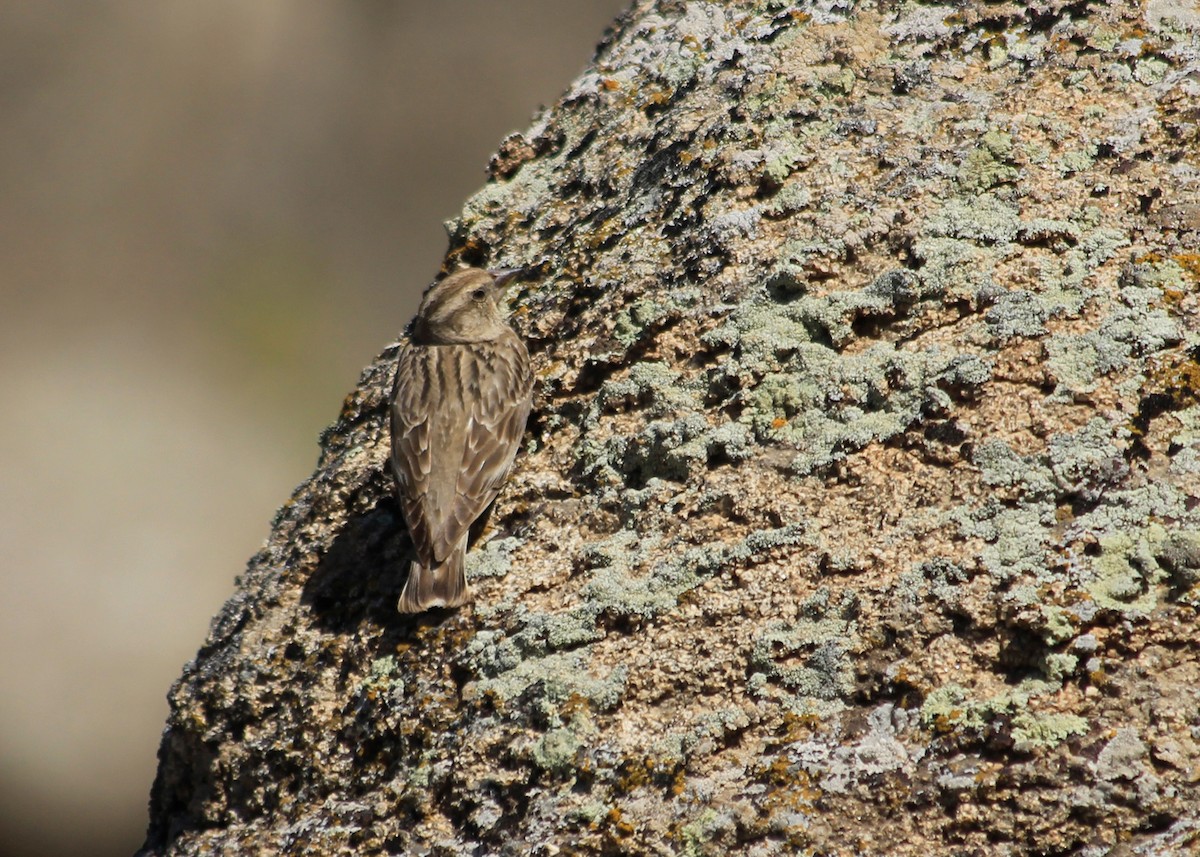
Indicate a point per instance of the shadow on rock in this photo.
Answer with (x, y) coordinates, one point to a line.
(359, 579)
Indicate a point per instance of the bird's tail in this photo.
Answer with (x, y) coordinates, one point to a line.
(442, 585)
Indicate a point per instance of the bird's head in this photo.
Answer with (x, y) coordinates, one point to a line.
(464, 307)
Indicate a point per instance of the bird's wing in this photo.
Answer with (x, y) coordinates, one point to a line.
(499, 403)
(412, 455)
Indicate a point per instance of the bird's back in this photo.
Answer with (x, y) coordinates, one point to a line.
(457, 417)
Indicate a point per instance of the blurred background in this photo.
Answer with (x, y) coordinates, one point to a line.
(213, 214)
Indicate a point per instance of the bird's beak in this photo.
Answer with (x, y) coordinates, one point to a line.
(504, 276)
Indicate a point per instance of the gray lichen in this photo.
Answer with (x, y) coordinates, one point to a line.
(812, 658)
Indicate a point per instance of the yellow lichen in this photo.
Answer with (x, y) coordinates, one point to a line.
(1190, 262)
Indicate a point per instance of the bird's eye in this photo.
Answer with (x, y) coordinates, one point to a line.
(479, 294)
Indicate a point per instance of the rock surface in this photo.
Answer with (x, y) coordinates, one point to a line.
(857, 513)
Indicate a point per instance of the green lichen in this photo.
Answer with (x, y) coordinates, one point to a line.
(556, 751)
(1034, 152)
(1161, 275)
(1015, 536)
(633, 321)
(1057, 625)
(613, 584)
(1058, 666)
(1126, 574)
(794, 196)
(938, 579)
(795, 387)
(988, 164)
(1077, 362)
(811, 658)
(953, 266)
(950, 709)
(543, 683)
(984, 218)
(1086, 462)
(1016, 313)
(493, 559)
(1080, 246)
(1103, 38)
(1188, 434)
(703, 829)
(1174, 23)
(663, 449)
(1017, 541)
(1132, 509)
(1085, 466)
(1136, 326)
(383, 680)
(590, 812)
(1150, 70)
(541, 633)
(1179, 555)
(713, 727)
(1026, 50)
(383, 668)
(1076, 161)
(1032, 731)
(730, 442)
(547, 653)
(782, 152)
(1000, 467)
(616, 587)
(651, 385)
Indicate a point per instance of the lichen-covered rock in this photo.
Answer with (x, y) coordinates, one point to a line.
(858, 510)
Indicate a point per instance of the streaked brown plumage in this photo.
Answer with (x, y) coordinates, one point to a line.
(462, 395)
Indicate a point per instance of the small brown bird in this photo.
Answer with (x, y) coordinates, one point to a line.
(462, 394)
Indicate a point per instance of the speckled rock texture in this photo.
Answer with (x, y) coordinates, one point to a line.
(858, 509)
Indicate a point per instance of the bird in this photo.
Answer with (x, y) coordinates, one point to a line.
(461, 397)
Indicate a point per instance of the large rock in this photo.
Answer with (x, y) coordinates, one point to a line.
(857, 513)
